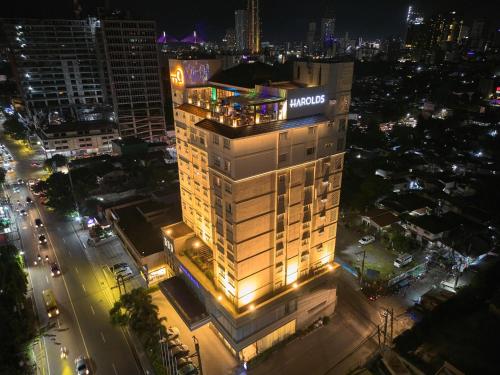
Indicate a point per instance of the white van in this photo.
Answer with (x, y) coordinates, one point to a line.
(403, 260)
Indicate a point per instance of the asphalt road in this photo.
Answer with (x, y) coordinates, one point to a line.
(82, 295)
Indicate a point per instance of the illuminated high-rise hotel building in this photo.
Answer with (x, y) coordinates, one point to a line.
(253, 28)
(260, 169)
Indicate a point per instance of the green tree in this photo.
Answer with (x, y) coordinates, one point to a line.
(137, 310)
(370, 188)
(15, 128)
(55, 162)
(400, 242)
(59, 193)
(16, 320)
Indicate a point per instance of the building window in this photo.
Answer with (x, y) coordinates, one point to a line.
(217, 161)
(310, 151)
(227, 165)
(229, 208)
(312, 130)
(227, 144)
(282, 158)
(228, 188)
(283, 136)
(215, 139)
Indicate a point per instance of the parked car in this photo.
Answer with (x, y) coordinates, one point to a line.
(366, 240)
(403, 260)
(118, 266)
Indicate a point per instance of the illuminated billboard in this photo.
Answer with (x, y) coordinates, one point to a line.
(306, 102)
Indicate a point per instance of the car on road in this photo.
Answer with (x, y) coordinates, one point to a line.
(38, 223)
(23, 213)
(366, 240)
(20, 181)
(81, 365)
(55, 270)
(10, 170)
(16, 189)
(35, 164)
(29, 200)
(42, 239)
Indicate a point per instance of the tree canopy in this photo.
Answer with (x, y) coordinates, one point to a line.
(59, 193)
(16, 319)
(15, 128)
(55, 162)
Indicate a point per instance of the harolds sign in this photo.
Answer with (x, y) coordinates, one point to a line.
(306, 102)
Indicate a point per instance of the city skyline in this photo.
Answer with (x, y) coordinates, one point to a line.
(211, 19)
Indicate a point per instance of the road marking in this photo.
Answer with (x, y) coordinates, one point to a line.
(102, 337)
(83, 244)
(58, 323)
(85, 290)
(91, 308)
(46, 278)
(76, 269)
(114, 368)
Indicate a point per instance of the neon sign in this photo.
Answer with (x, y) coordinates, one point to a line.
(178, 77)
(307, 101)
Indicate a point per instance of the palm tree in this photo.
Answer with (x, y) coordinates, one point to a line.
(136, 309)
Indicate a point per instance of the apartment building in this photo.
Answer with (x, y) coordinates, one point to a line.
(128, 53)
(260, 170)
(78, 139)
(54, 61)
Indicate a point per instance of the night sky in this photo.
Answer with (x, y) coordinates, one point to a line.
(282, 19)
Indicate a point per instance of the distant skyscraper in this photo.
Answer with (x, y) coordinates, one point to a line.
(129, 56)
(230, 40)
(327, 38)
(253, 26)
(54, 62)
(311, 37)
(241, 28)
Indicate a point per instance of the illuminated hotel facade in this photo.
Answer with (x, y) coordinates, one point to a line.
(260, 170)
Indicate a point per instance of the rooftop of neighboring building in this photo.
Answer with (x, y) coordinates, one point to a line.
(437, 224)
(405, 203)
(78, 126)
(141, 223)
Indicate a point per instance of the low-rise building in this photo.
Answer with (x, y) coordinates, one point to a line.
(379, 219)
(78, 139)
(138, 225)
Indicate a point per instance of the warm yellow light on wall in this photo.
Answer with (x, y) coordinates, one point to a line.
(291, 272)
(246, 294)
